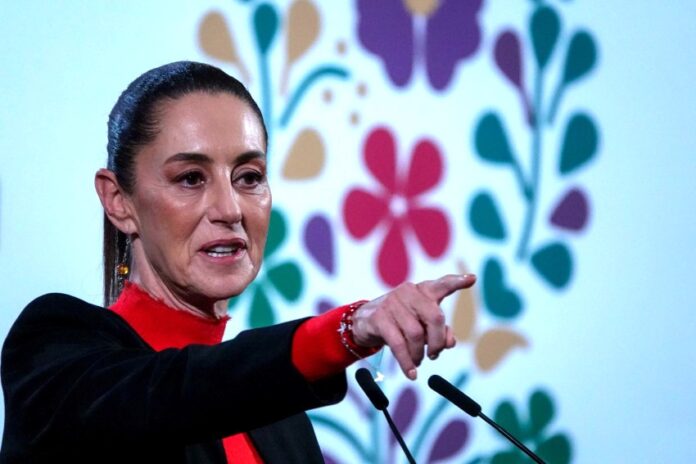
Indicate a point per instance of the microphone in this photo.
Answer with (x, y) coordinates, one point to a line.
(472, 408)
(380, 402)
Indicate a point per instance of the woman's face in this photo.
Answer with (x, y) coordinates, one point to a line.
(201, 200)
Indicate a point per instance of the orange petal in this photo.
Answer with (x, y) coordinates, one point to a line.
(303, 28)
(494, 344)
(464, 319)
(216, 40)
(306, 157)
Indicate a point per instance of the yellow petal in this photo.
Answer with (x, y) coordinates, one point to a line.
(306, 157)
(494, 344)
(464, 318)
(465, 308)
(216, 40)
(303, 28)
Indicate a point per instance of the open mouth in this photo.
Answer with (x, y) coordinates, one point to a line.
(224, 250)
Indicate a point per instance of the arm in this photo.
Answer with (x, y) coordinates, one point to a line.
(73, 372)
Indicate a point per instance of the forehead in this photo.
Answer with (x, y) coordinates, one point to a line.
(208, 122)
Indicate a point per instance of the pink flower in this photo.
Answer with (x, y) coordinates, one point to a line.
(396, 204)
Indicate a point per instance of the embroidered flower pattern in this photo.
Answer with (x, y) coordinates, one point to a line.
(396, 204)
(388, 28)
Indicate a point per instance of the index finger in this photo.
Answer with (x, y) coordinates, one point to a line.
(443, 287)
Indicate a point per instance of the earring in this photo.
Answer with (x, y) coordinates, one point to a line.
(122, 268)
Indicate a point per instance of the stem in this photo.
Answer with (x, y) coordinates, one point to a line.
(343, 432)
(267, 104)
(525, 188)
(434, 413)
(305, 85)
(555, 102)
(533, 198)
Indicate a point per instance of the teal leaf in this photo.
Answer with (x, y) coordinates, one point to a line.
(232, 302)
(581, 57)
(287, 279)
(506, 415)
(261, 311)
(500, 300)
(541, 412)
(556, 449)
(508, 457)
(491, 141)
(545, 27)
(485, 218)
(554, 263)
(579, 143)
(277, 231)
(265, 26)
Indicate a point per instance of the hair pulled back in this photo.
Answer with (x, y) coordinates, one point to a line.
(133, 123)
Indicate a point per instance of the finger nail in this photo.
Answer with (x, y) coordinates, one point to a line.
(433, 356)
(412, 374)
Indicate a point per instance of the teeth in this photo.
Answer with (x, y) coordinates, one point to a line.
(222, 249)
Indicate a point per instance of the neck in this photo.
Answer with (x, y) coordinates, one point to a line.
(148, 280)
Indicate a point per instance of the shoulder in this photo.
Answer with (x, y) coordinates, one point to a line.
(56, 313)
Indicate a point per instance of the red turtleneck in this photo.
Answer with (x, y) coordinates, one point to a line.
(164, 327)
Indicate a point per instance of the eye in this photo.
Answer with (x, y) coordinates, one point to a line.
(250, 179)
(191, 179)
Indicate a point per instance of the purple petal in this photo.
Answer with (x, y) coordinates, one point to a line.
(324, 305)
(386, 29)
(572, 211)
(452, 34)
(404, 411)
(329, 459)
(451, 440)
(318, 240)
(508, 57)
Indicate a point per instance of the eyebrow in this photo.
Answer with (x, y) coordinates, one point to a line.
(205, 159)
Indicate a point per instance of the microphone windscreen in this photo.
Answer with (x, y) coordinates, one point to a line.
(456, 396)
(371, 389)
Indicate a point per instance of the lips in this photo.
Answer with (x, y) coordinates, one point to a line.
(223, 248)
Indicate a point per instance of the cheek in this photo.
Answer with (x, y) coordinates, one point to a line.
(165, 220)
(261, 216)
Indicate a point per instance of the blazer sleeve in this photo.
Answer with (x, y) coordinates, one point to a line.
(75, 373)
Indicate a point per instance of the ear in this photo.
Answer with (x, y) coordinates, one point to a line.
(116, 203)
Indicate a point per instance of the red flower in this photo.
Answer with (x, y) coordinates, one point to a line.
(396, 204)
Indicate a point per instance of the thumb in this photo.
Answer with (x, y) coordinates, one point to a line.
(443, 287)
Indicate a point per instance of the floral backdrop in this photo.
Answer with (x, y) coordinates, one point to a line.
(390, 198)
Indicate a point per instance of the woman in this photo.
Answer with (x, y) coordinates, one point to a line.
(187, 206)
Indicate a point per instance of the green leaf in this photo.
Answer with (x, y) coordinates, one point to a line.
(541, 412)
(491, 141)
(261, 311)
(508, 457)
(581, 57)
(500, 300)
(545, 27)
(484, 217)
(555, 449)
(506, 415)
(232, 302)
(287, 279)
(277, 230)
(579, 143)
(554, 263)
(265, 26)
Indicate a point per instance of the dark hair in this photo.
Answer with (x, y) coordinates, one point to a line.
(133, 123)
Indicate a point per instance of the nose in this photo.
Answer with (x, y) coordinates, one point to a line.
(224, 203)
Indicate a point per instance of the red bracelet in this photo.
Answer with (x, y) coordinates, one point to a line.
(345, 329)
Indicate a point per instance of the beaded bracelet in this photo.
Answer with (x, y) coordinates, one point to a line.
(345, 328)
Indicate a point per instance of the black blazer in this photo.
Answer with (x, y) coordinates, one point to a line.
(81, 385)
